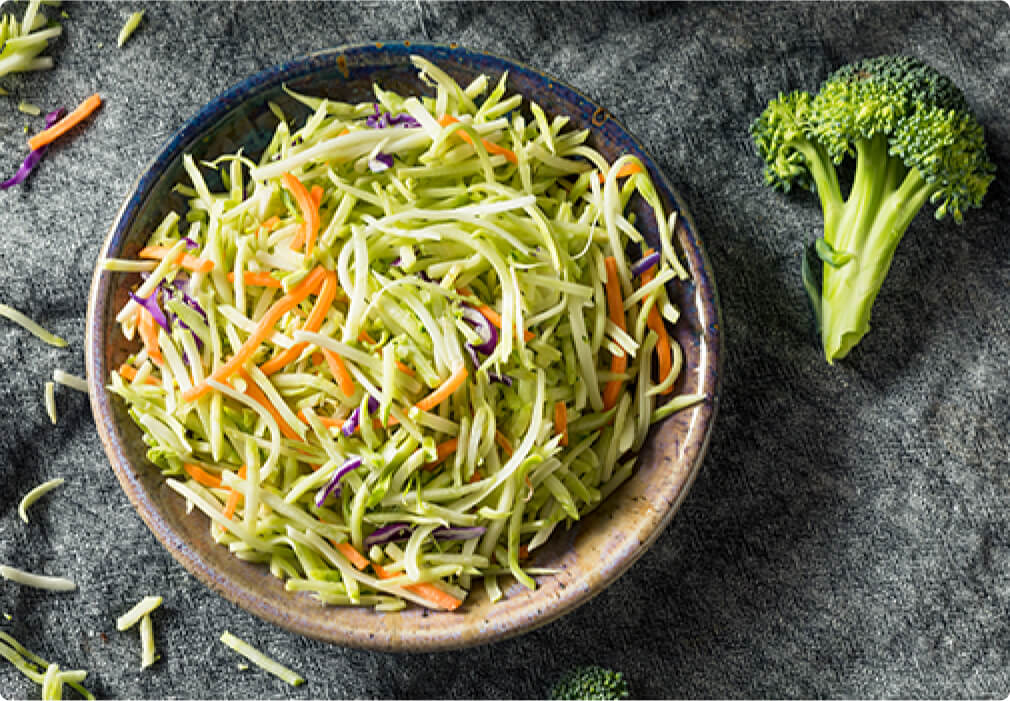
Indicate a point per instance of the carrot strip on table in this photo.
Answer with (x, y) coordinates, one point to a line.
(192, 263)
(654, 321)
(445, 390)
(323, 303)
(615, 309)
(490, 146)
(47, 136)
(309, 209)
(263, 329)
(428, 591)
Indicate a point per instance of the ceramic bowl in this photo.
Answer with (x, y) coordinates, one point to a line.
(590, 555)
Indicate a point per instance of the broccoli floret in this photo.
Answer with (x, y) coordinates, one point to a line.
(914, 140)
(591, 683)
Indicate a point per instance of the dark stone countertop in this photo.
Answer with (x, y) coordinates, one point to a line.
(848, 535)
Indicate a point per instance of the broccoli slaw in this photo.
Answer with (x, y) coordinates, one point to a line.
(393, 354)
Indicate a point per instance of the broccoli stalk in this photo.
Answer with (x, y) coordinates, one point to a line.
(914, 141)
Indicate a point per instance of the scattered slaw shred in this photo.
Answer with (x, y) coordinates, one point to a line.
(391, 356)
(261, 660)
(47, 675)
(141, 613)
(35, 494)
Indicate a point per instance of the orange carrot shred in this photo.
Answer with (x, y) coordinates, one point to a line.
(494, 317)
(147, 327)
(201, 476)
(615, 309)
(257, 279)
(425, 590)
(197, 265)
(490, 146)
(271, 223)
(339, 371)
(323, 302)
(66, 124)
(309, 209)
(130, 374)
(445, 390)
(263, 329)
(501, 440)
(256, 394)
(624, 171)
(352, 554)
(561, 421)
(443, 451)
(655, 323)
(234, 498)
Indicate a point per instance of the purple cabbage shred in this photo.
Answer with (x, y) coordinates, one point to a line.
(381, 162)
(334, 484)
(33, 158)
(384, 120)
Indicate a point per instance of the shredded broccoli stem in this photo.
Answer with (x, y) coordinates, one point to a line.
(486, 232)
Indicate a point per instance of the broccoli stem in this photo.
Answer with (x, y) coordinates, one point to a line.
(825, 177)
(848, 291)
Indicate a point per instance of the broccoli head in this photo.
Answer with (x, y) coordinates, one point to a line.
(913, 140)
(591, 683)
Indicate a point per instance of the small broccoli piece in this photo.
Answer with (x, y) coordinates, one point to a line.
(591, 683)
(914, 140)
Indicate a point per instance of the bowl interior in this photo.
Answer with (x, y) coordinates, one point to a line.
(588, 556)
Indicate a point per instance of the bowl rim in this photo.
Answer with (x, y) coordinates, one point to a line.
(530, 614)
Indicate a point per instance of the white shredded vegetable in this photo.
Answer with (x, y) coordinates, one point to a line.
(35, 494)
(19, 318)
(261, 660)
(50, 400)
(138, 611)
(37, 581)
(129, 27)
(72, 381)
(47, 675)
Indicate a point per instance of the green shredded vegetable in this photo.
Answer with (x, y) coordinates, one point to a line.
(22, 320)
(50, 400)
(71, 381)
(37, 493)
(132, 22)
(260, 660)
(29, 108)
(141, 609)
(446, 223)
(38, 581)
(147, 653)
(23, 41)
(47, 675)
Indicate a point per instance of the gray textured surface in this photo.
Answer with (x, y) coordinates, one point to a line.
(849, 534)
